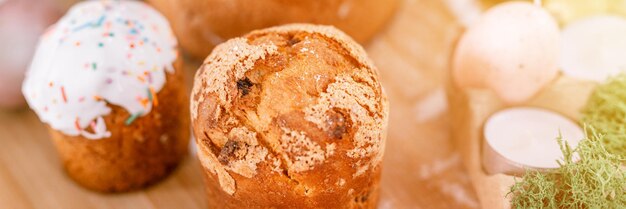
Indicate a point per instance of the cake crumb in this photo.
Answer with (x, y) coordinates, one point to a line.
(341, 182)
(245, 152)
(330, 149)
(305, 152)
(275, 166)
(360, 170)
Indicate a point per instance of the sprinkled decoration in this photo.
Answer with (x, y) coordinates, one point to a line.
(132, 118)
(100, 52)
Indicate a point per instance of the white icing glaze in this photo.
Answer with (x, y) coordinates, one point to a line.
(99, 52)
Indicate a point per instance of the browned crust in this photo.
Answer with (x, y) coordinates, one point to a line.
(290, 117)
(136, 155)
(202, 24)
(268, 190)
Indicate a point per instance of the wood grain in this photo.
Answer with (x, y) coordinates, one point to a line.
(421, 168)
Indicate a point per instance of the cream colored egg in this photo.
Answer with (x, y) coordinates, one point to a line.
(513, 50)
(21, 24)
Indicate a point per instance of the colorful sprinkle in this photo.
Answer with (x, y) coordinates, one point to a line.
(144, 102)
(132, 118)
(77, 125)
(148, 75)
(93, 125)
(149, 94)
(90, 24)
(153, 96)
(63, 94)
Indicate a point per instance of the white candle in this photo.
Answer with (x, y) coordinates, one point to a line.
(522, 138)
(593, 48)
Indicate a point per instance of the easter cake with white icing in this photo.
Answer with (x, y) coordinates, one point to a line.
(106, 79)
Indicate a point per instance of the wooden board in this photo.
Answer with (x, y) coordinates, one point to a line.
(421, 168)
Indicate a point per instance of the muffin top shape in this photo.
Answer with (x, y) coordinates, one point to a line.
(99, 53)
(289, 99)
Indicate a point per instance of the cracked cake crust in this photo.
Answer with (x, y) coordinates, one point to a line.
(283, 114)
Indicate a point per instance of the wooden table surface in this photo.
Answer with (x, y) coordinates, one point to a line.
(421, 167)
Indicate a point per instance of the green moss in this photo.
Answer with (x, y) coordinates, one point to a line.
(595, 180)
(606, 111)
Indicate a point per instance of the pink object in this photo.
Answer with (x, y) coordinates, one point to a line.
(21, 24)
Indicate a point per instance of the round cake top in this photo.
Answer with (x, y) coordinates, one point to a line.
(99, 53)
(298, 98)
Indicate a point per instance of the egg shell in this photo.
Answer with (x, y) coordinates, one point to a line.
(21, 23)
(512, 50)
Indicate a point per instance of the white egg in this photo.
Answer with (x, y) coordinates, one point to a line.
(594, 48)
(513, 50)
(21, 23)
